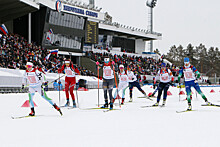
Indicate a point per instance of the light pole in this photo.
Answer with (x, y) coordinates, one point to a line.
(151, 4)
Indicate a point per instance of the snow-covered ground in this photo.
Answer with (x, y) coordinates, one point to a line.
(132, 126)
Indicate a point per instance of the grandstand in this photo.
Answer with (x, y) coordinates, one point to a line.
(77, 30)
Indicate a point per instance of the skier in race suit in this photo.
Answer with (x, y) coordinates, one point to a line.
(165, 76)
(189, 71)
(70, 80)
(108, 81)
(35, 80)
(132, 79)
(123, 83)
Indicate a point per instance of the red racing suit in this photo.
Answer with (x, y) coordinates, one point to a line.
(70, 79)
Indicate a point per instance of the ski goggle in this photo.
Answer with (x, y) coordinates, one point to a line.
(28, 66)
(121, 67)
(106, 60)
(67, 62)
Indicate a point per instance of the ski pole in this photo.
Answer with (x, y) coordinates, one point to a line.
(54, 80)
(77, 97)
(59, 88)
(116, 87)
(179, 91)
(21, 90)
(98, 84)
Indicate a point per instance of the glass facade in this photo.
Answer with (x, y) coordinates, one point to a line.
(67, 30)
(66, 20)
(62, 40)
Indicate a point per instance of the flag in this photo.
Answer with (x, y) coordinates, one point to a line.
(47, 57)
(54, 51)
(51, 31)
(3, 29)
(48, 37)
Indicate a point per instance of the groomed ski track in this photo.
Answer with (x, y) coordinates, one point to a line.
(132, 126)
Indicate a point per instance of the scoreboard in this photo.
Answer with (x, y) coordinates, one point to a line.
(91, 32)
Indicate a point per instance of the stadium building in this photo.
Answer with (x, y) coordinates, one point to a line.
(72, 27)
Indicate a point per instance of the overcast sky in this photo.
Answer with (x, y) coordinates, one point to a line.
(180, 21)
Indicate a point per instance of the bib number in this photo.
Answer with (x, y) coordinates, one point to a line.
(123, 79)
(188, 75)
(107, 72)
(164, 78)
(32, 79)
(69, 72)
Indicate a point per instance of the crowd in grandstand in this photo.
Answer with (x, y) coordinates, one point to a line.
(145, 66)
(16, 52)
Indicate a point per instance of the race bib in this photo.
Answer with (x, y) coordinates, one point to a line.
(164, 78)
(189, 74)
(130, 77)
(32, 79)
(123, 79)
(107, 72)
(69, 72)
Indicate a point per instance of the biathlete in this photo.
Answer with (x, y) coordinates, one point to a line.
(108, 81)
(123, 83)
(35, 80)
(132, 79)
(165, 76)
(70, 80)
(189, 71)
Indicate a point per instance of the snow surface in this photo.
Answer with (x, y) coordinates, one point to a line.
(132, 126)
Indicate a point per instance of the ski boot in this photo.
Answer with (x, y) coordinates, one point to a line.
(156, 104)
(111, 106)
(189, 107)
(32, 112)
(74, 104)
(164, 102)
(67, 103)
(122, 102)
(208, 103)
(105, 105)
(152, 95)
(130, 99)
(58, 109)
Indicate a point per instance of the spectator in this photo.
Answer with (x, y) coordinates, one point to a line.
(55, 85)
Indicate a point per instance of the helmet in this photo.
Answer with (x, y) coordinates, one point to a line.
(121, 66)
(29, 65)
(186, 62)
(186, 59)
(163, 64)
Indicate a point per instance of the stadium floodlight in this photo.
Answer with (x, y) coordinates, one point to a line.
(151, 3)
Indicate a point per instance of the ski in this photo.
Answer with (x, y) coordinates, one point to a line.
(211, 105)
(19, 117)
(104, 109)
(151, 106)
(108, 110)
(72, 107)
(184, 111)
(94, 108)
(147, 97)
